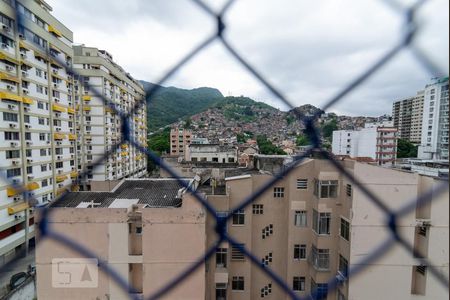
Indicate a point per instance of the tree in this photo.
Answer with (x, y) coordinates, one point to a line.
(406, 149)
(328, 128)
(241, 138)
(187, 123)
(302, 140)
(266, 146)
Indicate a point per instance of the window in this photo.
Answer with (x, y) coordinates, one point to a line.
(236, 253)
(43, 168)
(319, 290)
(13, 173)
(239, 217)
(41, 121)
(348, 190)
(237, 284)
(421, 269)
(10, 117)
(11, 136)
(30, 170)
(138, 230)
(26, 118)
(422, 230)
(299, 251)
(43, 152)
(343, 266)
(320, 258)
(278, 192)
(28, 136)
(321, 222)
(221, 291)
(298, 283)
(40, 105)
(300, 218)
(302, 184)
(221, 257)
(12, 154)
(345, 229)
(326, 188)
(59, 164)
(42, 136)
(258, 209)
(44, 183)
(28, 152)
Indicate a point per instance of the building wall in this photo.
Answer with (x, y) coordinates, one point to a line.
(105, 231)
(434, 139)
(366, 220)
(407, 117)
(37, 108)
(179, 141)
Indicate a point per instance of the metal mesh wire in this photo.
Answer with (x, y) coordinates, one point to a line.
(405, 41)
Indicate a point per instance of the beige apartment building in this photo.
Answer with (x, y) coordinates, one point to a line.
(99, 127)
(314, 225)
(407, 115)
(179, 139)
(147, 230)
(37, 123)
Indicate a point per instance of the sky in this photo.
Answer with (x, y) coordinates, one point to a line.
(309, 50)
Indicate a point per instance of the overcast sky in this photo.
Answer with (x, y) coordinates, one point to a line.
(308, 49)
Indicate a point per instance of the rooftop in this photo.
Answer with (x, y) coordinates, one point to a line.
(150, 192)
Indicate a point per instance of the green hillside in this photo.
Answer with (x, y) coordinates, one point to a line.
(170, 104)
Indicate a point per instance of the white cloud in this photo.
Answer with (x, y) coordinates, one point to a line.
(309, 50)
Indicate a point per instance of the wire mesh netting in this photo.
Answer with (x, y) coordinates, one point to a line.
(405, 41)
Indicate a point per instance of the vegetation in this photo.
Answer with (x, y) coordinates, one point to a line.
(169, 104)
(405, 149)
(266, 146)
(302, 140)
(328, 128)
(160, 144)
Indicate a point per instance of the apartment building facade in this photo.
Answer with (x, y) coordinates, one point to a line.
(376, 140)
(99, 127)
(434, 134)
(37, 127)
(407, 115)
(179, 140)
(147, 230)
(314, 224)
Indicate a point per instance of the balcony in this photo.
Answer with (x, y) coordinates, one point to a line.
(59, 136)
(87, 98)
(61, 178)
(58, 108)
(10, 96)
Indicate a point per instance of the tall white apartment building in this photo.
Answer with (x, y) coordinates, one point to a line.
(376, 140)
(37, 130)
(99, 127)
(434, 140)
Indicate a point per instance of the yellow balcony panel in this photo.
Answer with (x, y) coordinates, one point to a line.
(75, 188)
(17, 208)
(87, 108)
(27, 100)
(61, 178)
(40, 55)
(7, 77)
(124, 153)
(55, 31)
(71, 111)
(5, 57)
(22, 62)
(10, 96)
(59, 136)
(74, 174)
(87, 98)
(57, 107)
(32, 186)
(88, 137)
(10, 191)
(72, 137)
(23, 46)
(61, 191)
(54, 48)
(124, 146)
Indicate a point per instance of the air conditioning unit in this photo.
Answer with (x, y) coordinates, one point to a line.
(55, 85)
(10, 87)
(29, 143)
(58, 129)
(9, 68)
(17, 199)
(27, 126)
(60, 171)
(60, 185)
(55, 71)
(22, 36)
(11, 107)
(15, 162)
(23, 56)
(12, 125)
(25, 108)
(29, 161)
(24, 73)
(58, 143)
(56, 100)
(25, 91)
(59, 157)
(16, 181)
(14, 144)
(4, 46)
(30, 177)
